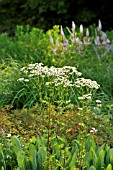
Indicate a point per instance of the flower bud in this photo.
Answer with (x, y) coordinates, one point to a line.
(99, 25)
(81, 29)
(73, 26)
(87, 32)
(61, 31)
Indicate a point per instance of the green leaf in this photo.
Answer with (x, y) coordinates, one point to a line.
(33, 156)
(90, 143)
(87, 159)
(2, 160)
(111, 156)
(109, 167)
(69, 159)
(61, 139)
(16, 144)
(92, 168)
(42, 156)
(107, 149)
(74, 168)
(21, 159)
(74, 160)
(101, 156)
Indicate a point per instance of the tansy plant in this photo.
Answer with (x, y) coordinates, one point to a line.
(54, 85)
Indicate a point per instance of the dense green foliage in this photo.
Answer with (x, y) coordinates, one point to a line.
(56, 99)
(41, 155)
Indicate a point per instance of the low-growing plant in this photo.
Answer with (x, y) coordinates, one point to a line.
(58, 154)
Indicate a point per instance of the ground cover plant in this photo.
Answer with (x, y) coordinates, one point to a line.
(56, 99)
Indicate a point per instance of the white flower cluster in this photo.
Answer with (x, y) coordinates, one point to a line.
(86, 82)
(38, 69)
(23, 79)
(66, 76)
(85, 96)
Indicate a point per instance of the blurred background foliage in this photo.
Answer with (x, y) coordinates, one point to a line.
(46, 13)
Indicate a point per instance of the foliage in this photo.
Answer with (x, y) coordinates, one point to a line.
(53, 116)
(58, 154)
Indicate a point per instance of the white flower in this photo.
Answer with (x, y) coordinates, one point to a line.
(93, 130)
(86, 40)
(98, 101)
(99, 25)
(68, 101)
(23, 68)
(97, 41)
(20, 79)
(78, 41)
(26, 80)
(87, 32)
(73, 26)
(80, 108)
(81, 29)
(8, 135)
(81, 98)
